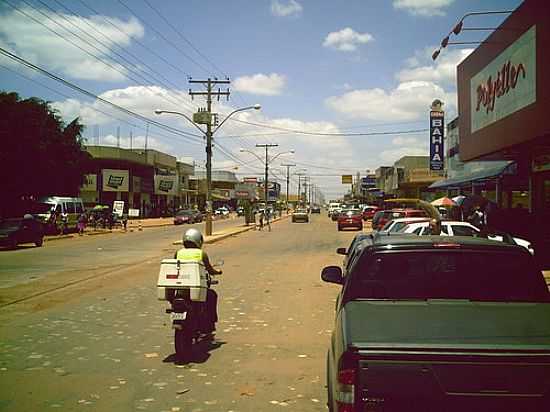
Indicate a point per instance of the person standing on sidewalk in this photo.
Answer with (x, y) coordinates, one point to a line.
(81, 225)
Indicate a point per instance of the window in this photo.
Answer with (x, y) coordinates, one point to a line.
(448, 274)
(459, 230)
(69, 207)
(418, 231)
(78, 207)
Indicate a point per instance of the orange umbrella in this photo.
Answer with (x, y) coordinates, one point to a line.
(444, 201)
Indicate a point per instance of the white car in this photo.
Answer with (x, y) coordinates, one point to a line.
(458, 228)
(396, 225)
(223, 211)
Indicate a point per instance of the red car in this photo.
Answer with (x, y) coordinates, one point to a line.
(350, 218)
(369, 211)
(383, 217)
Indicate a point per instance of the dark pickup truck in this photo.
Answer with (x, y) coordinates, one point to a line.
(439, 324)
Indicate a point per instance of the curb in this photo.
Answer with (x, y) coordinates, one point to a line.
(50, 239)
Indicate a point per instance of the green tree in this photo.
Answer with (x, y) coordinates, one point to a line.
(40, 155)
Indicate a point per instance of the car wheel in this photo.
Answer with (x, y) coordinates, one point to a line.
(39, 242)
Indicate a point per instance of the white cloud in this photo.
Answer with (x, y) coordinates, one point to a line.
(34, 42)
(261, 84)
(409, 101)
(402, 140)
(442, 71)
(391, 155)
(292, 8)
(426, 8)
(137, 141)
(346, 39)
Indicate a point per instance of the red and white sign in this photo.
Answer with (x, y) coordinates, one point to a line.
(507, 84)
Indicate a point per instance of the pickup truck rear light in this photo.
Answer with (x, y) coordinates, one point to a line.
(345, 390)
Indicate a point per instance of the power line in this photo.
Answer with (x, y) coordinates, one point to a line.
(186, 135)
(331, 134)
(170, 42)
(160, 57)
(185, 39)
(126, 121)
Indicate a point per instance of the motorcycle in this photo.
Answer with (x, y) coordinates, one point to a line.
(185, 286)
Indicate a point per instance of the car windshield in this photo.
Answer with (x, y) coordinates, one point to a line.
(10, 224)
(301, 211)
(445, 274)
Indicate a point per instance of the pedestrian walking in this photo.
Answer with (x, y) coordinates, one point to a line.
(268, 219)
(81, 225)
(261, 217)
(125, 221)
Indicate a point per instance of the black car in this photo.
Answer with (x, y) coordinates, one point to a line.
(20, 230)
(315, 209)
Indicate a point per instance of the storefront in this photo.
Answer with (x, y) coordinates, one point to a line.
(503, 102)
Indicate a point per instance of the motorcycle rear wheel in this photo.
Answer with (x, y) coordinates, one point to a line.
(183, 342)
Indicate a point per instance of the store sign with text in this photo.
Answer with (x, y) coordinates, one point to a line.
(437, 131)
(115, 180)
(507, 84)
(166, 185)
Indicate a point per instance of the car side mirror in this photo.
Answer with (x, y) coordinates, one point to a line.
(342, 251)
(332, 274)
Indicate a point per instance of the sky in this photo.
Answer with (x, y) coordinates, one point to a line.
(318, 68)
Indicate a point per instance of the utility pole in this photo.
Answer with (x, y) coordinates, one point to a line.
(288, 166)
(267, 146)
(209, 84)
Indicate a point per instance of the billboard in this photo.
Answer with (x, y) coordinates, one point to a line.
(166, 185)
(437, 131)
(347, 179)
(368, 182)
(115, 180)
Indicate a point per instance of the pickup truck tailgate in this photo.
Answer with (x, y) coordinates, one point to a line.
(451, 355)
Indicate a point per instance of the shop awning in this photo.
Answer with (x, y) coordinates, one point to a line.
(485, 174)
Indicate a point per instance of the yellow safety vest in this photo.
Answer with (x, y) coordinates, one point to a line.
(190, 255)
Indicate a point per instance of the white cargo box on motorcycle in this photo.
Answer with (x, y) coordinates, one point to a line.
(175, 274)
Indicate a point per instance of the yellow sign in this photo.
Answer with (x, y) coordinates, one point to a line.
(347, 179)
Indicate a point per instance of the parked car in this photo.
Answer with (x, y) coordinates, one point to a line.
(383, 216)
(187, 216)
(332, 207)
(60, 213)
(351, 218)
(424, 324)
(369, 211)
(300, 215)
(396, 225)
(458, 228)
(21, 230)
(222, 211)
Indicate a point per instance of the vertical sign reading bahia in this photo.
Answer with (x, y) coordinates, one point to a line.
(437, 132)
(507, 84)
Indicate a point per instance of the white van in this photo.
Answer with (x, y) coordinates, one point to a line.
(332, 207)
(68, 208)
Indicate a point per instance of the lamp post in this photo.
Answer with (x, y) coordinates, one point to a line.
(288, 166)
(459, 28)
(209, 136)
(267, 162)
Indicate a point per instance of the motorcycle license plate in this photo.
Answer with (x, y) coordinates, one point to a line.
(178, 316)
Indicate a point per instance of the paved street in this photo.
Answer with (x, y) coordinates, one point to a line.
(63, 260)
(106, 344)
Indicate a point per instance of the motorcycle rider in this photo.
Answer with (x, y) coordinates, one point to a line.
(192, 252)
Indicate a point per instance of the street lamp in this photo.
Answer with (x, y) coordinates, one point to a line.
(458, 28)
(267, 162)
(209, 136)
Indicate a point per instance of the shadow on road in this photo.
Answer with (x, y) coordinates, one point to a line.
(199, 354)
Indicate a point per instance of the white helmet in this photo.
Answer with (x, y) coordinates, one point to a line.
(192, 237)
